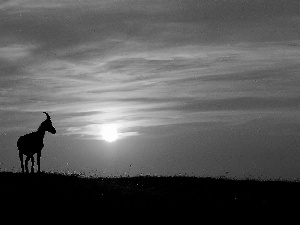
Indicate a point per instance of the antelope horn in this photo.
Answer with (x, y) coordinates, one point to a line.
(48, 117)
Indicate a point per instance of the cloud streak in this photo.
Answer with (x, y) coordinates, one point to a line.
(115, 62)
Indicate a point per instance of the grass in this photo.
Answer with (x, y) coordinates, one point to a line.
(146, 194)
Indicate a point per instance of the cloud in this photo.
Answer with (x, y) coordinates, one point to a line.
(154, 23)
(93, 131)
(153, 88)
(15, 52)
(148, 63)
(240, 104)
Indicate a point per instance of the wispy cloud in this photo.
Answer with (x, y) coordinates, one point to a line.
(141, 67)
(14, 52)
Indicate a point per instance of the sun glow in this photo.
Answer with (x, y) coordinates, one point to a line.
(109, 132)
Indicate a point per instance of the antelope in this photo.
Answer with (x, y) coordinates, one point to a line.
(32, 143)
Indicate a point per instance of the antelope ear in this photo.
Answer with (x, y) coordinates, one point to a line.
(48, 117)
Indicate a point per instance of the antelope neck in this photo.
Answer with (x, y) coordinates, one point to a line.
(41, 133)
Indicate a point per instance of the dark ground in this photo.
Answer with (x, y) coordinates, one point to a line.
(57, 193)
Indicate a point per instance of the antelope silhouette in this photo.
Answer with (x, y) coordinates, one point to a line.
(33, 143)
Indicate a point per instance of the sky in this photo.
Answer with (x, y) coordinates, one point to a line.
(194, 87)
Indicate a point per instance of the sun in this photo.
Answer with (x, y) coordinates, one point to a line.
(109, 132)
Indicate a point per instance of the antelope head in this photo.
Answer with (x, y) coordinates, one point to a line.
(47, 124)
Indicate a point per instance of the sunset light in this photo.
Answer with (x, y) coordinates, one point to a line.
(109, 132)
